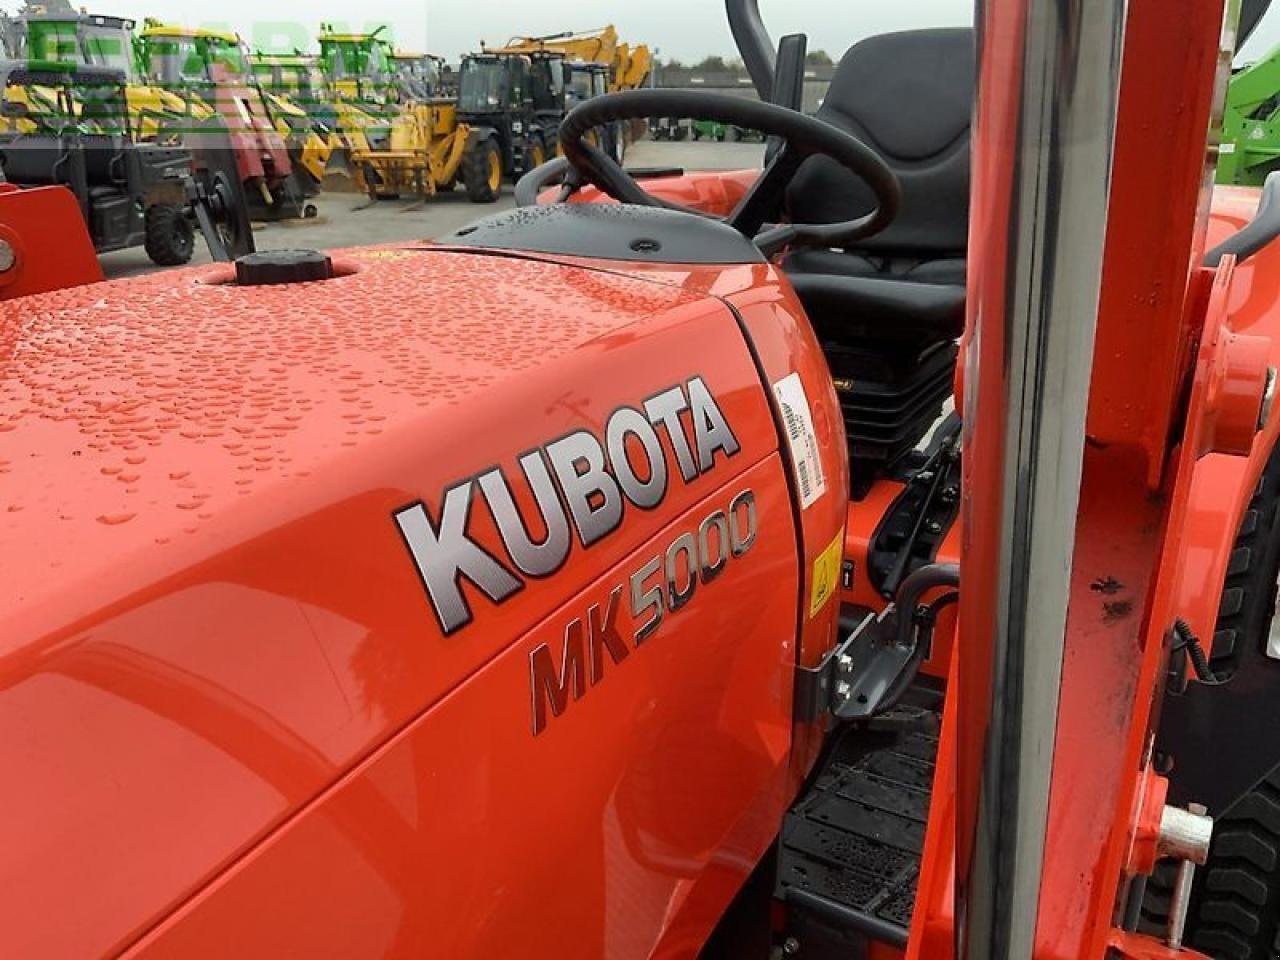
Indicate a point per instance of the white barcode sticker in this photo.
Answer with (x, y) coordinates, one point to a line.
(798, 421)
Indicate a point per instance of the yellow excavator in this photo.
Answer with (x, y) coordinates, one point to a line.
(398, 125)
(628, 66)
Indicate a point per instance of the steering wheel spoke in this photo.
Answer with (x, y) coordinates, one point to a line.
(763, 200)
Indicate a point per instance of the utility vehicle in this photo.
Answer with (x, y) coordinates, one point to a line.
(514, 100)
(512, 103)
(589, 58)
(867, 556)
(129, 193)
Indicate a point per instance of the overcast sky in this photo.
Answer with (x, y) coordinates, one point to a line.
(684, 29)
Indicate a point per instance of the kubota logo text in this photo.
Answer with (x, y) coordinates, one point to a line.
(580, 483)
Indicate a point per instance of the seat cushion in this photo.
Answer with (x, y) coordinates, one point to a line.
(879, 307)
(950, 270)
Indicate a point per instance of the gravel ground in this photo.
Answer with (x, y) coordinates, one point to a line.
(345, 220)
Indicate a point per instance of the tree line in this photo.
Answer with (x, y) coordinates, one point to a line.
(719, 64)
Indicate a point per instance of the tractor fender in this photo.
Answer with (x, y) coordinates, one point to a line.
(47, 240)
(1221, 484)
(1220, 490)
(1222, 739)
(336, 566)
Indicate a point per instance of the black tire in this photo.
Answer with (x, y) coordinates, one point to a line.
(231, 213)
(535, 154)
(170, 236)
(1235, 907)
(1236, 913)
(477, 171)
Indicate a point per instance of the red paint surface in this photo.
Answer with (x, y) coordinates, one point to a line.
(219, 671)
(51, 245)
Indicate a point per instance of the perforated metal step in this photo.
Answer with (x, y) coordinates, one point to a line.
(851, 847)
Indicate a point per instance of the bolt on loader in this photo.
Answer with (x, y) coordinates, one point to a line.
(873, 555)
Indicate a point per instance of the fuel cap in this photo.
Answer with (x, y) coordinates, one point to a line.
(282, 266)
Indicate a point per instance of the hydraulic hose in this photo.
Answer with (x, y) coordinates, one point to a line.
(915, 586)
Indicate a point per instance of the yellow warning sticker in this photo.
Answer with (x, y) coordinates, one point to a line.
(826, 574)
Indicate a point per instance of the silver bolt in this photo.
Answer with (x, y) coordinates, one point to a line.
(1181, 898)
(844, 662)
(843, 689)
(8, 256)
(1185, 834)
(790, 947)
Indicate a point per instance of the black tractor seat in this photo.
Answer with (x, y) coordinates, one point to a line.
(882, 298)
(908, 96)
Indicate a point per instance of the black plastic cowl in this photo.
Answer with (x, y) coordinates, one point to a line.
(282, 266)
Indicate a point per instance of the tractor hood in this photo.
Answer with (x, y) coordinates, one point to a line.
(145, 423)
(217, 509)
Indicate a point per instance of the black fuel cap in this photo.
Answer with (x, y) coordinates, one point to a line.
(282, 266)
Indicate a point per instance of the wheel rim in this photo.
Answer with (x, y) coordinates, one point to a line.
(495, 170)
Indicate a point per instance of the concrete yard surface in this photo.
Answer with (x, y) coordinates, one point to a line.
(348, 219)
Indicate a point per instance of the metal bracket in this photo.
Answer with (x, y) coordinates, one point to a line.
(815, 686)
(855, 678)
(203, 207)
(868, 671)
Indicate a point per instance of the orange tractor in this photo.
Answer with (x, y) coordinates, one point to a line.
(874, 556)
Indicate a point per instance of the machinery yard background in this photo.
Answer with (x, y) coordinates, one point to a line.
(344, 220)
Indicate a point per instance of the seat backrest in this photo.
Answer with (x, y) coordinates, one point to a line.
(908, 96)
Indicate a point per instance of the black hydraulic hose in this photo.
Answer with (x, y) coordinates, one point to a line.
(1188, 641)
(915, 586)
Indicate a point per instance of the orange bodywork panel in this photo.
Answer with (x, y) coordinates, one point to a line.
(51, 247)
(239, 718)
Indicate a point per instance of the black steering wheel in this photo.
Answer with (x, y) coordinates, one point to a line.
(801, 137)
